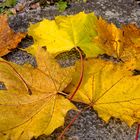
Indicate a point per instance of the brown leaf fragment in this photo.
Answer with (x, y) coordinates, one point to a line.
(8, 38)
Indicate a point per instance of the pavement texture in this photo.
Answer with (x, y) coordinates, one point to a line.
(88, 125)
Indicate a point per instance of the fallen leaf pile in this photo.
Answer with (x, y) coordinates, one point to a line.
(35, 100)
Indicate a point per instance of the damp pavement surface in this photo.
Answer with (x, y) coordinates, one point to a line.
(88, 125)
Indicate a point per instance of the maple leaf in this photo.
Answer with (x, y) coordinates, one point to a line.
(131, 45)
(109, 37)
(122, 43)
(8, 38)
(30, 103)
(65, 33)
(111, 89)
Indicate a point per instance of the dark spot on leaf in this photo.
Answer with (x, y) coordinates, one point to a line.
(3, 133)
(44, 48)
(22, 132)
(136, 72)
(2, 86)
(109, 58)
(29, 91)
(123, 33)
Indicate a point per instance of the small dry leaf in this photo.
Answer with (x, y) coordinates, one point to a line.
(8, 38)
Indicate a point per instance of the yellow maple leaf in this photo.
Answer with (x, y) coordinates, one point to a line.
(65, 33)
(30, 103)
(109, 88)
(8, 38)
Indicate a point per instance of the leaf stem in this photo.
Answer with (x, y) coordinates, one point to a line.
(81, 75)
(72, 121)
(68, 126)
(137, 132)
